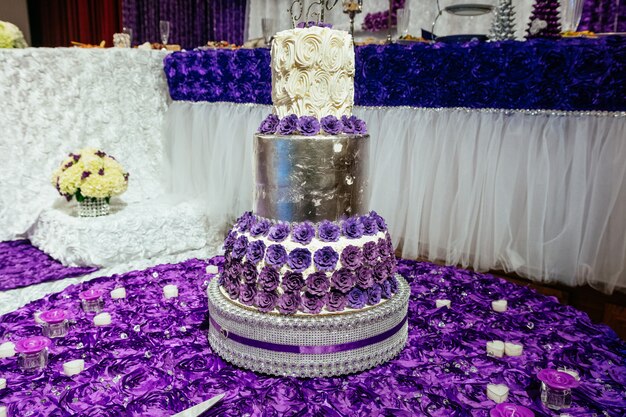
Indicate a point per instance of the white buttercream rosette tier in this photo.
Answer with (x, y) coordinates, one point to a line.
(313, 72)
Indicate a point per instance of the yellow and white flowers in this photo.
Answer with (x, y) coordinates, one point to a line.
(11, 36)
(90, 173)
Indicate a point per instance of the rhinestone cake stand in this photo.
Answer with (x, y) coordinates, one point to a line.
(304, 345)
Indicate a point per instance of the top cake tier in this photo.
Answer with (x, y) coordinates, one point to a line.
(313, 72)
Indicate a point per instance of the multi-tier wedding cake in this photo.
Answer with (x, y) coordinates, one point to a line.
(308, 286)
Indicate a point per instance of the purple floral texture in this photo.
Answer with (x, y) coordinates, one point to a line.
(279, 232)
(383, 248)
(357, 298)
(247, 294)
(380, 222)
(370, 253)
(328, 231)
(336, 301)
(245, 221)
(299, 259)
(317, 283)
(256, 251)
(303, 233)
(352, 228)
(312, 304)
(269, 125)
(266, 301)
(288, 125)
(353, 125)
(325, 259)
(292, 282)
(364, 277)
(232, 289)
(351, 257)
(370, 227)
(331, 125)
(312, 23)
(260, 228)
(249, 273)
(289, 303)
(343, 280)
(240, 247)
(308, 125)
(374, 294)
(269, 278)
(276, 255)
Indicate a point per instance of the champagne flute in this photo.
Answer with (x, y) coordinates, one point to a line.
(403, 22)
(164, 26)
(268, 25)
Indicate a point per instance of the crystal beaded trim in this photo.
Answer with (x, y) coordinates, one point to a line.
(93, 207)
(325, 330)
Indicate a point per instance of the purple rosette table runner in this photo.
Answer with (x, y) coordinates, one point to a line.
(568, 74)
(22, 264)
(154, 359)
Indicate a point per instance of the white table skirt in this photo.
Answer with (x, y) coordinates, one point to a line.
(540, 195)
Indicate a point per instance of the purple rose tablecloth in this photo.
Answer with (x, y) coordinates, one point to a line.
(22, 264)
(154, 360)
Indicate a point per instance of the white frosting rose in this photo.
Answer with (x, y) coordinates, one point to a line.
(342, 90)
(298, 83)
(283, 51)
(320, 88)
(308, 47)
(335, 51)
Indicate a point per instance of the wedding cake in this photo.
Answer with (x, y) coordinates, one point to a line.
(308, 286)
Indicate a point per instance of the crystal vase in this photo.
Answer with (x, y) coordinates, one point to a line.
(93, 207)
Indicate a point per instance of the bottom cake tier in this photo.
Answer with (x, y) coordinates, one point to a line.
(304, 345)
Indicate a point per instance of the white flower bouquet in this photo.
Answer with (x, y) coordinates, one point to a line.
(11, 36)
(93, 177)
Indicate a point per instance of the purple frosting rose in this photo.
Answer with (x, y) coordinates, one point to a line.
(328, 231)
(370, 227)
(240, 247)
(279, 232)
(299, 259)
(303, 233)
(269, 279)
(386, 289)
(230, 241)
(288, 125)
(266, 301)
(269, 125)
(393, 284)
(256, 251)
(308, 125)
(351, 257)
(260, 228)
(370, 253)
(360, 127)
(352, 228)
(247, 294)
(325, 259)
(356, 298)
(336, 301)
(276, 255)
(346, 122)
(383, 248)
(380, 222)
(353, 125)
(380, 272)
(312, 304)
(364, 277)
(331, 125)
(292, 281)
(232, 289)
(289, 302)
(374, 294)
(245, 221)
(249, 273)
(343, 280)
(317, 283)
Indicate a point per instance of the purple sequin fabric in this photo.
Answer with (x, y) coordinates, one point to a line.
(154, 360)
(22, 264)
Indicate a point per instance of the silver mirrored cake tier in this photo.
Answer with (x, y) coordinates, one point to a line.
(321, 345)
(313, 178)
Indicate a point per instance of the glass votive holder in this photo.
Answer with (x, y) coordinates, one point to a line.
(33, 353)
(91, 301)
(54, 323)
(556, 388)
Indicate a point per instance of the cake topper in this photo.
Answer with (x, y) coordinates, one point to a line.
(314, 13)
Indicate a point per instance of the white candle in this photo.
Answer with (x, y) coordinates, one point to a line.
(571, 372)
(7, 350)
(170, 291)
(3, 383)
(118, 293)
(102, 319)
(499, 305)
(212, 269)
(3, 411)
(37, 319)
(495, 348)
(442, 303)
(498, 393)
(75, 367)
(513, 349)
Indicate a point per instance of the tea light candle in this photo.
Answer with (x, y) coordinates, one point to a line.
(102, 319)
(37, 318)
(495, 348)
(556, 388)
(33, 352)
(91, 300)
(170, 291)
(571, 372)
(499, 306)
(54, 323)
(212, 269)
(513, 349)
(3, 411)
(7, 350)
(498, 393)
(75, 367)
(510, 410)
(442, 303)
(118, 293)
(3, 383)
